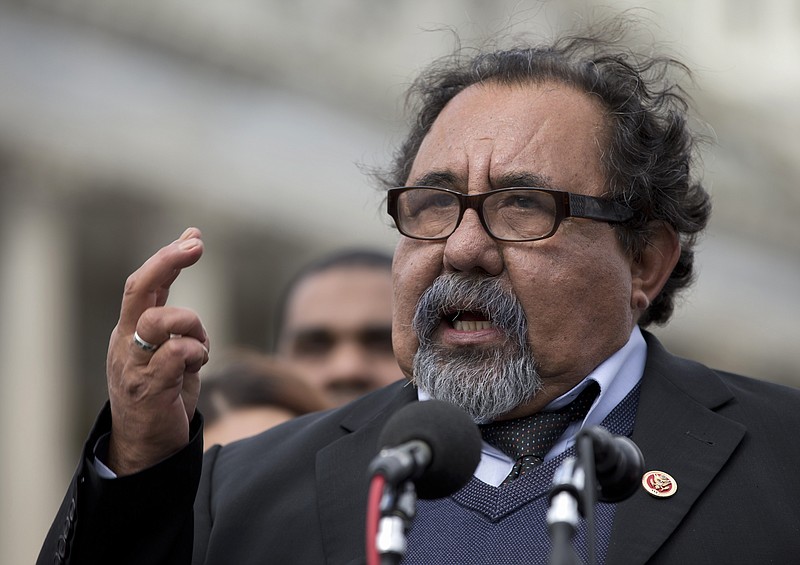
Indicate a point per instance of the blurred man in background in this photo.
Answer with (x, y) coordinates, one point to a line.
(335, 324)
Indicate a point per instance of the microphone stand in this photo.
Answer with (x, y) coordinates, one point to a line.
(587, 462)
(579, 483)
(566, 507)
(397, 509)
(573, 494)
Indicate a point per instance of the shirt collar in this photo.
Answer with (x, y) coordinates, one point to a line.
(616, 376)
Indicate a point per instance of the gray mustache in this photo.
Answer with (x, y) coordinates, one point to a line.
(458, 292)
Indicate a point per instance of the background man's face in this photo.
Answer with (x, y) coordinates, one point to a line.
(575, 287)
(337, 331)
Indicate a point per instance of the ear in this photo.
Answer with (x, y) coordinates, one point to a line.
(650, 271)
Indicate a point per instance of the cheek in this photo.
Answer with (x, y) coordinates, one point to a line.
(416, 265)
(567, 294)
(311, 370)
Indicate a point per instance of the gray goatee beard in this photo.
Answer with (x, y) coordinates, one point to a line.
(486, 382)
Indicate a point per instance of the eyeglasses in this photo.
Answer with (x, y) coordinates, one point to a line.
(507, 214)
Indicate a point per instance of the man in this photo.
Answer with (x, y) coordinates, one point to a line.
(509, 302)
(335, 324)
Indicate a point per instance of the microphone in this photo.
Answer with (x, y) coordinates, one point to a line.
(619, 464)
(433, 443)
(609, 470)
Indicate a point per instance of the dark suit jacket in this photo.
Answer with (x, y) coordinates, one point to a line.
(297, 493)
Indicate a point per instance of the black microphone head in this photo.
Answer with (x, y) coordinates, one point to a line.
(621, 474)
(619, 464)
(451, 434)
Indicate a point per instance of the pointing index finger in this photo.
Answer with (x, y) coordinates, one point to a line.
(149, 285)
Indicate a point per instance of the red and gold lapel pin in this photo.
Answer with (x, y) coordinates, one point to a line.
(659, 484)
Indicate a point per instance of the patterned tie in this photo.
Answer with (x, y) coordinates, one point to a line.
(527, 440)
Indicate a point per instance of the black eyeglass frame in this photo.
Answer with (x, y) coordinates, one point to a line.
(568, 205)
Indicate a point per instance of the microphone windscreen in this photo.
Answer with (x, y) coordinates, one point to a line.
(451, 434)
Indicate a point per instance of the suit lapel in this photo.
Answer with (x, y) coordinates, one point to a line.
(680, 434)
(341, 469)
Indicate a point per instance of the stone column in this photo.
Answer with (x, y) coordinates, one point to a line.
(36, 372)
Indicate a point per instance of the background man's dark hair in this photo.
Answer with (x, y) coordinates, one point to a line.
(650, 148)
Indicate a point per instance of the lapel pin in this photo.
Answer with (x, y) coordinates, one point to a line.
(659, 484)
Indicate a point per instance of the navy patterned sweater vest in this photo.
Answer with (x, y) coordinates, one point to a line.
(482, 524)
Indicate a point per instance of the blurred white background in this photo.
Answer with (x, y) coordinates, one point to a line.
(121, 123)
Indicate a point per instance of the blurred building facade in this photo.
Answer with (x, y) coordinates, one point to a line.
(121, 123)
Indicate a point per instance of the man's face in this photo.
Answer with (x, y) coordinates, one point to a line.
(573, 288)
(337, 331)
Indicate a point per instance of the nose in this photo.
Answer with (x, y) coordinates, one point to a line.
(349, 370)
(471, 248)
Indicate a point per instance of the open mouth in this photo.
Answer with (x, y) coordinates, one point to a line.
(467, 321)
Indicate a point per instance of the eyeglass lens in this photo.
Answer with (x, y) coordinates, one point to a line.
(508, 214)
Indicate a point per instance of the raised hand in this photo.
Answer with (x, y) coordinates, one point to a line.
(154, 356)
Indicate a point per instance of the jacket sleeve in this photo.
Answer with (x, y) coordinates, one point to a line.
(142, 518)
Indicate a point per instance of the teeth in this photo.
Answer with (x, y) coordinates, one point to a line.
(463, 326)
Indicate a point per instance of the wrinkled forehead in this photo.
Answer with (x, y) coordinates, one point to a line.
(490, 132)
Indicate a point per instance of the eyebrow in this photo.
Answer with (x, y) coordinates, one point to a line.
(439, 179)
(446, 179)
(523, 179)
